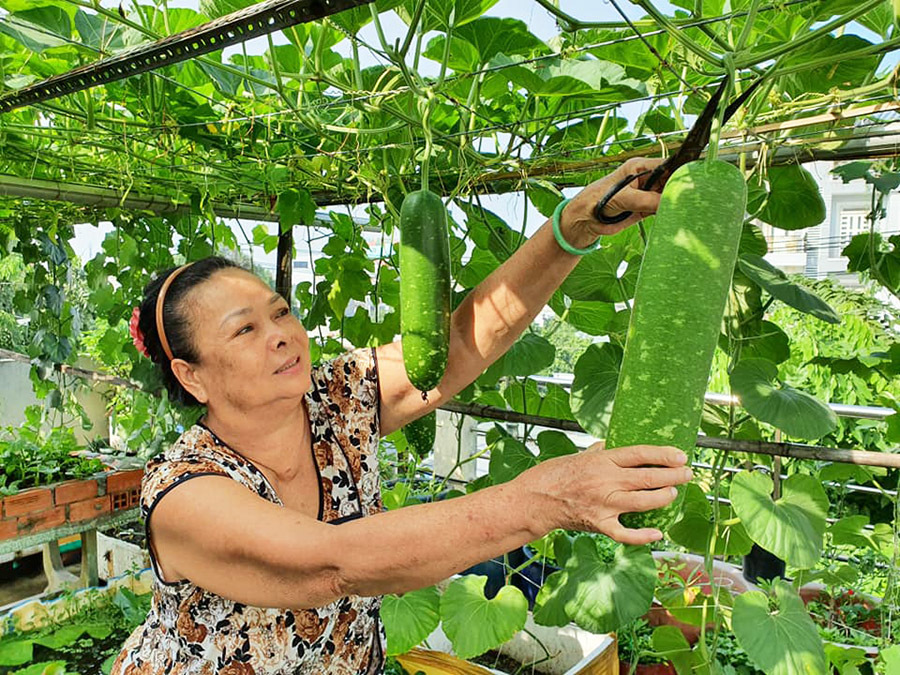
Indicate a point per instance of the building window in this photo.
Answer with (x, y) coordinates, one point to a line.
(851, 223)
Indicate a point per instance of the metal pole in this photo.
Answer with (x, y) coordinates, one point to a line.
(793, 450)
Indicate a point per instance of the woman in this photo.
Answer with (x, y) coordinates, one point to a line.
(272, 500)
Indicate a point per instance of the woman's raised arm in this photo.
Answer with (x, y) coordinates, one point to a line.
(494, 314)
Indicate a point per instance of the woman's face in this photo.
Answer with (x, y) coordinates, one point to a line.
(252, 350)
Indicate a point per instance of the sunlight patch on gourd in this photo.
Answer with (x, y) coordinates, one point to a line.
(693, 245)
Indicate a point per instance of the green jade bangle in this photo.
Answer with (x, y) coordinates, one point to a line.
(563, 244)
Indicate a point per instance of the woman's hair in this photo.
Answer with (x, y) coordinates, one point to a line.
(176, 322)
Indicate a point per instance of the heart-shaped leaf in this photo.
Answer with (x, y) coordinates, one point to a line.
(509, 458)
(597, 276)
(694, 529)
(410, 618)
(464, 607)
(599, 595)
(530, 354)
(777, 633)
(546, 400)
(555, 444)
(794, 201)
(669, 643)
(776, 283)
(594, 387)
(793, 411)
(791, 527)
(770, 343)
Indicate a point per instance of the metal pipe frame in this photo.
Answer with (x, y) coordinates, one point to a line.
(234, 28)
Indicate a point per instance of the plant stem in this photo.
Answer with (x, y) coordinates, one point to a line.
(676, 34)
(748, 27)
(808, 37)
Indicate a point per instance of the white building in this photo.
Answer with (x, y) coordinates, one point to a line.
(816, 251)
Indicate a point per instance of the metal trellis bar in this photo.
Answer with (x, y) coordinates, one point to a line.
(234, 28)
(793, 450)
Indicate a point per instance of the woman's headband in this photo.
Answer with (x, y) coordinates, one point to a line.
(160, 301)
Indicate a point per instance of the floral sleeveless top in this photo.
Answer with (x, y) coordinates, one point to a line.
(192, 631)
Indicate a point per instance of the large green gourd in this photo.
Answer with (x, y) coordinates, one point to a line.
(424, 288)
(678, 306)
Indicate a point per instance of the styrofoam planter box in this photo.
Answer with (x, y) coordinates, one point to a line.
(116, 557)
(570, 647)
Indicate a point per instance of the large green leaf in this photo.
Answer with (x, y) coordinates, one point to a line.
(597, 278)
(475, 624)
(592, 318)
(669, 643)
(866, 248)
(776, 283)
(770, 343)
(530, 354)
(555, 444)
(490, 232)
(793, 411)
(15, 652)
(843, 73)
(569, 77)
(777, 633)
(794, 201)
(437, 14)
(531, 398)
(99, 32)
(594, 387)
(696, 527)
(793, 526)
(509, 458)
(598, 594)
(295, 207)
(487, 36)
(477, 268)
(410, 618)
(38, 29)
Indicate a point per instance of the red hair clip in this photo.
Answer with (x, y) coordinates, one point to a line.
(136, 337)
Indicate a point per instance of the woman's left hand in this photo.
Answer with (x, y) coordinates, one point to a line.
(578, 219)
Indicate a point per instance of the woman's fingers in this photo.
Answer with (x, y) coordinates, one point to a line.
(633, 501)
(645, 535)
(631, 199)
(648, 455)
(653, 478)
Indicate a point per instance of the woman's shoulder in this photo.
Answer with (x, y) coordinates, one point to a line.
(197, 452)
(195, 446)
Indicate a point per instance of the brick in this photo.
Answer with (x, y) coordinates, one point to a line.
(74, 491)
(38, 522)
(124, 480)
(30, 501)
(89, 508)
(8, 529)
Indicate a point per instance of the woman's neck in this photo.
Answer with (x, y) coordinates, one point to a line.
(272, 439)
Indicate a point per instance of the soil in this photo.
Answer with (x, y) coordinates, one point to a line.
(498, 661)
(132, 532)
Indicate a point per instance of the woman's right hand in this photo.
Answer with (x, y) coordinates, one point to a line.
(589, 490)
